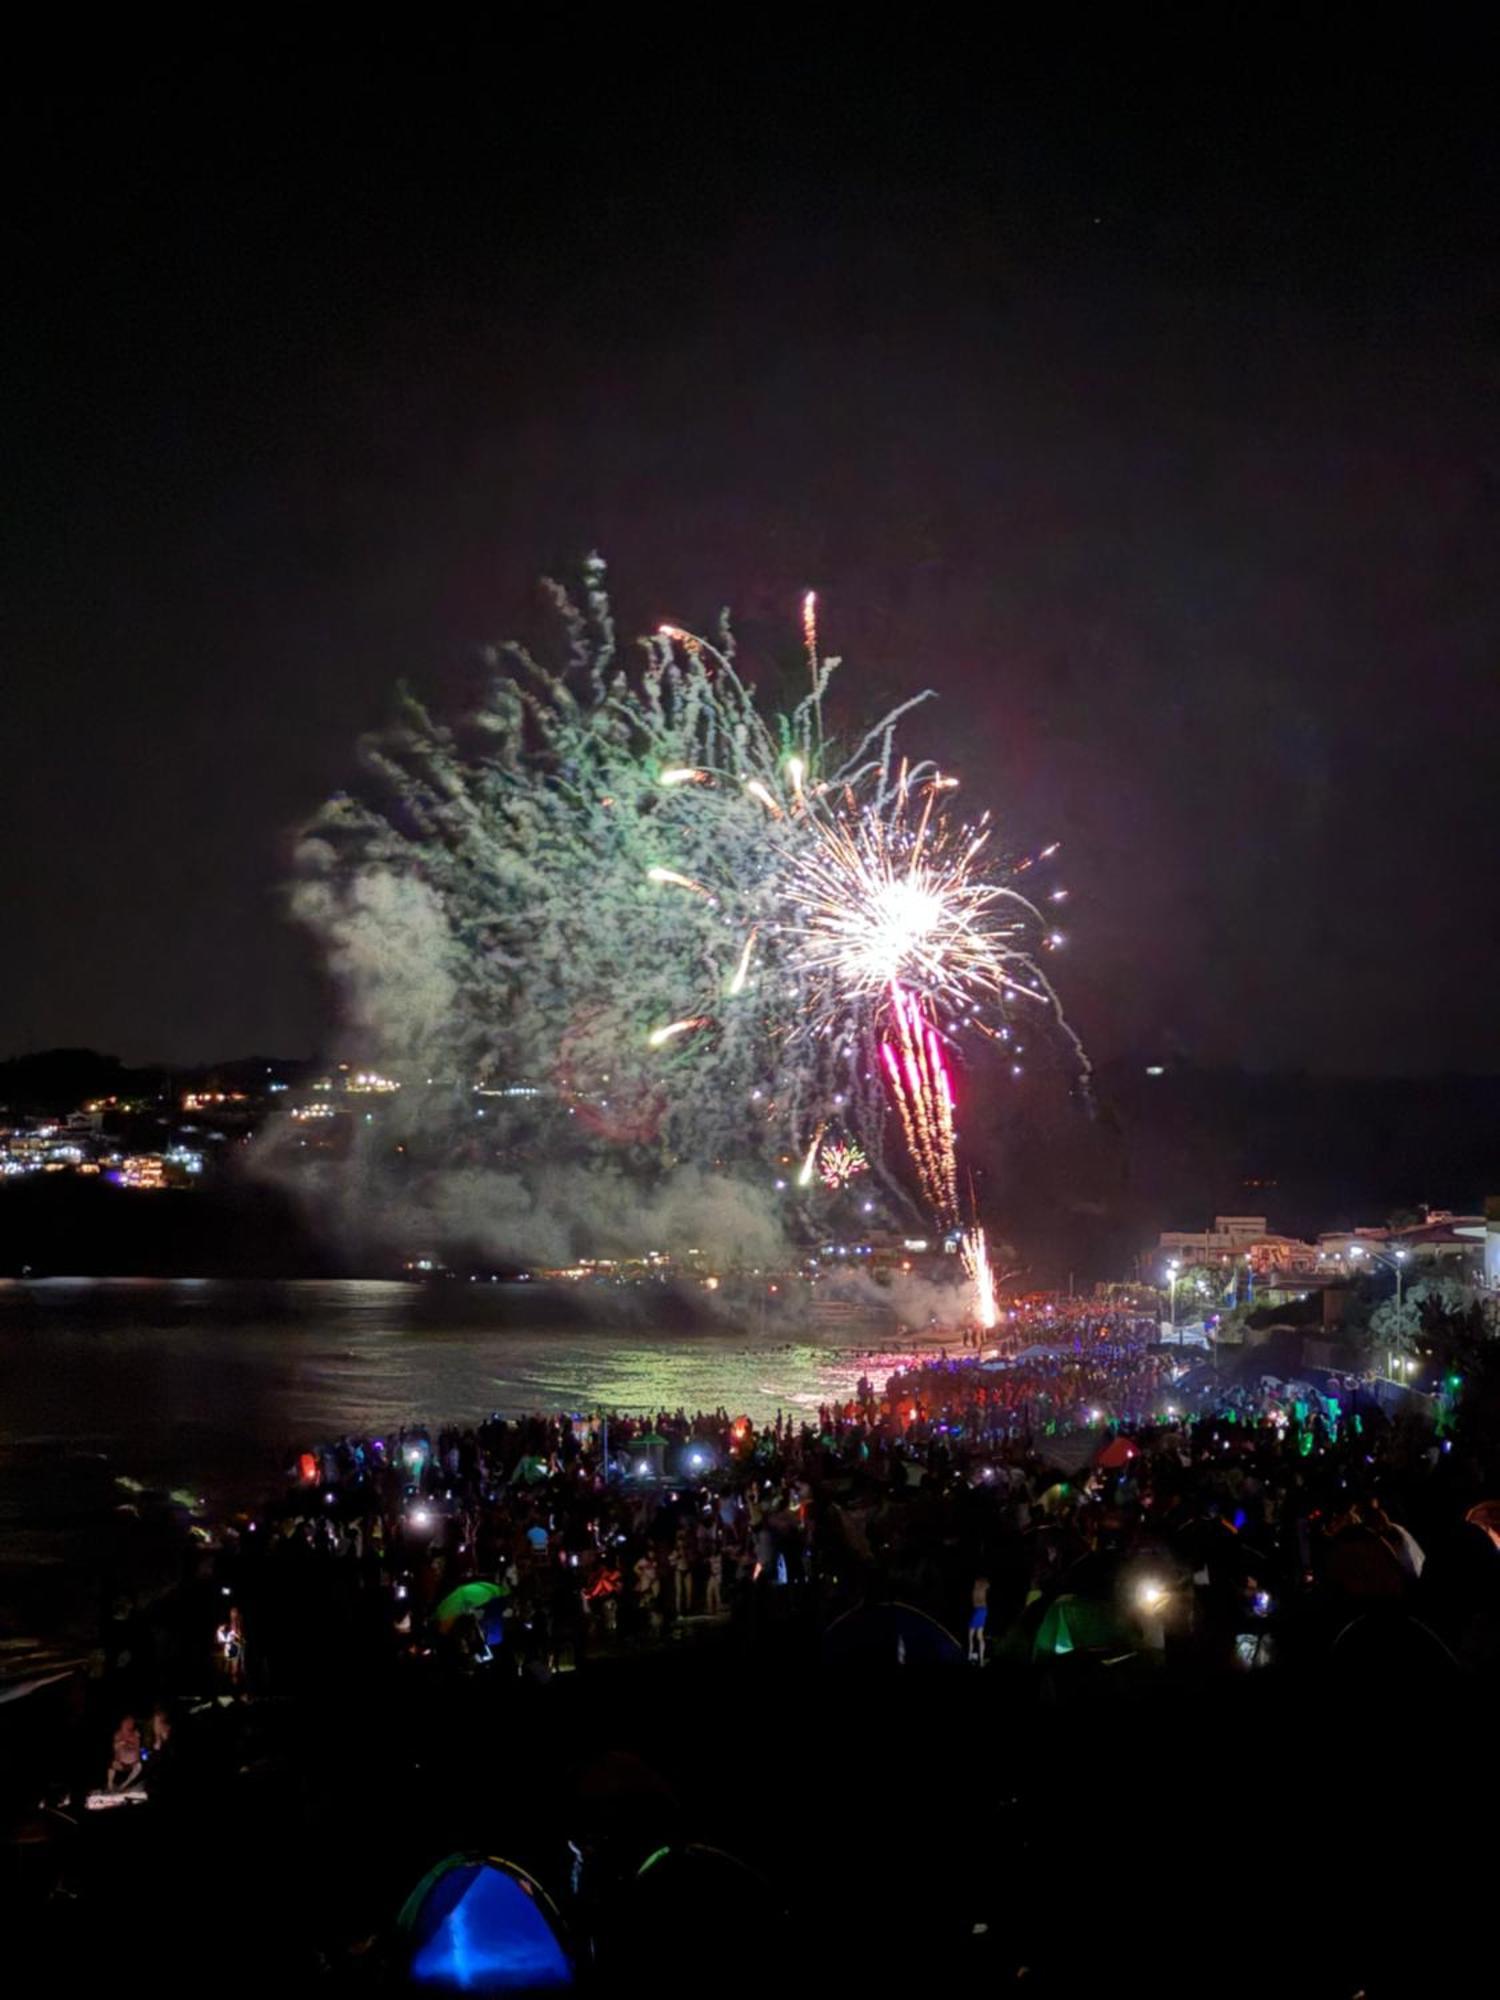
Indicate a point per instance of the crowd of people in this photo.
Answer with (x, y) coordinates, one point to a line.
(1226, 1525)
(1080, 1509)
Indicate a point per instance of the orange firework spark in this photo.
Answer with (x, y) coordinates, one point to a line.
(810, 632)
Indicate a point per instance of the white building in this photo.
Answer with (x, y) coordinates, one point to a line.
(1230, 1235)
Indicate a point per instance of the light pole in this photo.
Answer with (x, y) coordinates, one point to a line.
(1172, 1269)
(1397, 1261)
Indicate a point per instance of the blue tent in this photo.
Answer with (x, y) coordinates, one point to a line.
(477, 1925)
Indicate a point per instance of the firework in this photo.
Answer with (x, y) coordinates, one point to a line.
(888, 891)
(659, 1036)
(838, 1163)
(923, 1091)
(660, 874)
(742, 970)
(680, 922)
(976, 1256)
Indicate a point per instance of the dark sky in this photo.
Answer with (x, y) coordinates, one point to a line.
(1144, 406)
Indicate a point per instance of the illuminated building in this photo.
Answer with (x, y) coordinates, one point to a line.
(1230, 1235)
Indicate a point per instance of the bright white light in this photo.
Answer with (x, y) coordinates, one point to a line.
(1151, 1596)
(901, 917)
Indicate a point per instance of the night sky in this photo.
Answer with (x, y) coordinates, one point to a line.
(1147, 411)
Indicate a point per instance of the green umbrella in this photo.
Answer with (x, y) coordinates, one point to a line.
(471, 1596)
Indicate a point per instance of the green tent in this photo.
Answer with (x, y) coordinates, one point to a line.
(1080, 1625)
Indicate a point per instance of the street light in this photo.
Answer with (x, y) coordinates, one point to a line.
(1397, 1260)
(1172, 1269)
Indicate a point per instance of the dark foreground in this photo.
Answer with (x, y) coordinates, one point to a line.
(929, 1828)
(1233, 1732)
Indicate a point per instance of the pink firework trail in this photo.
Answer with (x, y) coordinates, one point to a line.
(923, 1091)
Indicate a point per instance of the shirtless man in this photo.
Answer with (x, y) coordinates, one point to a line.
(978, 1619)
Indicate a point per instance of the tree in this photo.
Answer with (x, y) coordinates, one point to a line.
(1200, 1287)
(1444, 1316)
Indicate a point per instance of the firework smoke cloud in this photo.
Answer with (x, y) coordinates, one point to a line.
(632, 945)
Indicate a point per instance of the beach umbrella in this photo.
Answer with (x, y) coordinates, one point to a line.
(471, 1596)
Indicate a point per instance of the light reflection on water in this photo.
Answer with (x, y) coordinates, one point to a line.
(210, 1383)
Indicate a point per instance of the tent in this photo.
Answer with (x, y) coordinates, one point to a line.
(889, 1635)
(1071, 1624)
(471, 1596)
(687, 1893)
(475, 1924)
(683, 1892)
(1118, 1452)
